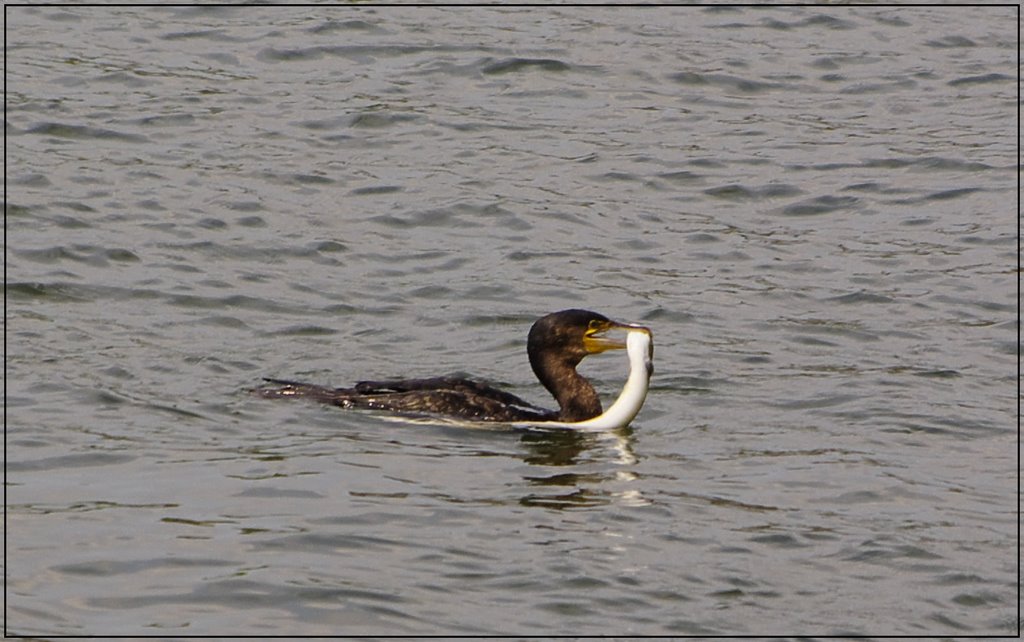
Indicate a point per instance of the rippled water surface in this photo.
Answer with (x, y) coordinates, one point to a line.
(813, 208)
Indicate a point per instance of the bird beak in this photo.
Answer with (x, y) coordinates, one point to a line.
(595, 340)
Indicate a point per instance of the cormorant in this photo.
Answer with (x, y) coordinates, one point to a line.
(556, 344)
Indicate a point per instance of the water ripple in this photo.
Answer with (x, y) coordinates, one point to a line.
(82, 132)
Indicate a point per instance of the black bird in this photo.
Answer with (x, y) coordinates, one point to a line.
(556, 344)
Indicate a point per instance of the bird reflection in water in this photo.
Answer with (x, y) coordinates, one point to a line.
(572, 489)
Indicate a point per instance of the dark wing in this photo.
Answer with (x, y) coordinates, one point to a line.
(443, 396)
(454, 384)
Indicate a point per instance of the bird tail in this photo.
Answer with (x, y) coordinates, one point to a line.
(283, 388)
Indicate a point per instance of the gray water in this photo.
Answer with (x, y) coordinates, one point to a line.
(813, 208)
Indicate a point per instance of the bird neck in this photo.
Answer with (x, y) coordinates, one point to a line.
(577, 399)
